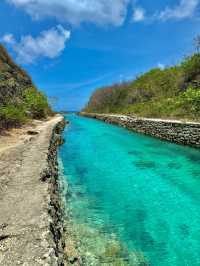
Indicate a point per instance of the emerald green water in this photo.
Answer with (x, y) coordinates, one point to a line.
(144, 190)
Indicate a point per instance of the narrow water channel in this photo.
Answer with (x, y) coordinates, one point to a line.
(144, 191)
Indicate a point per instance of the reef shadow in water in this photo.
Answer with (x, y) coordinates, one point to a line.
(144, 164)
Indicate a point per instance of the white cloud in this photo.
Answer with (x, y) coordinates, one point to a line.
(8, 38)
(48, 44)
(77, 11)
(138, 14)
(161, 66)
(185, 9)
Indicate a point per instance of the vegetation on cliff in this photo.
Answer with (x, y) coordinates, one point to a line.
(173, 92)
(19, 98)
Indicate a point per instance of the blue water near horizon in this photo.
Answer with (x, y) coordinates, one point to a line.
(144, 190)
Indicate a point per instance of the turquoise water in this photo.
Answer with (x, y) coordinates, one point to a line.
(144, 190)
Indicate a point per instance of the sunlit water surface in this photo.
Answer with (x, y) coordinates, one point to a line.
(144, 190)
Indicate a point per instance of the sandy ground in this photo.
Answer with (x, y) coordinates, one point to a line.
(17, 136)
(24, 198)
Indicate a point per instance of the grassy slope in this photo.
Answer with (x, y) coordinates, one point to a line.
(170, 93)
(19, 98)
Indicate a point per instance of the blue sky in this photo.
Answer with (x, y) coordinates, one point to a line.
(72, 47)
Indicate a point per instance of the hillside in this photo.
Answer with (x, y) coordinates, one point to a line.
(170, 93)
(19, 98)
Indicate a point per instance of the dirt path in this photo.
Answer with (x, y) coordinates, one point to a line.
(24, 198)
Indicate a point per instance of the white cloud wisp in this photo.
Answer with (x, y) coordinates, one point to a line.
(49, 44)
(185, 9)
(77, 11)
(138, 14)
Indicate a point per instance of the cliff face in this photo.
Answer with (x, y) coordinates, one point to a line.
(13, 80)
(19, 98)
(31, 224)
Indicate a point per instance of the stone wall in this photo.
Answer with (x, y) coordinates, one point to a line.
(186, 133)
(50, 175)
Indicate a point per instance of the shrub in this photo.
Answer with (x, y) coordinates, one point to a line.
(157, 82)
(191, 67)
(190, 100)
(12, 116)
(36, 103)
(33, 104)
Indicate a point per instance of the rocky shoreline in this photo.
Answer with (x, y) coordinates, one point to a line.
(31, 221)
(185, 133)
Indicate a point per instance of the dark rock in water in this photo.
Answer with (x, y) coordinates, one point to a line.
(68, 194)
(81, 174)
(194, 158)
(161, 247)
(99, 194)
(136, 153)
(80, 194)
(78, 183)
(174, 165)
(81, 171)
(184, 229)
(141, 215)
(147, 241)
(142, 164)
(196, 174)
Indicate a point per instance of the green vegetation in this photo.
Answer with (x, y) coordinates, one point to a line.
(12, 116)
(32, 105)
(19, 99)
(170, 93)
(35, 103)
